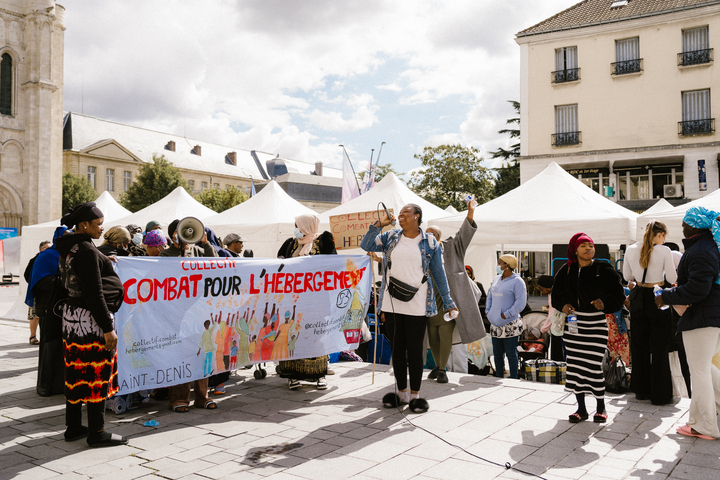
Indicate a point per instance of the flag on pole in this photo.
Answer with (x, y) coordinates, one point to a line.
(349, 184)
(252, 187)
(371, 181)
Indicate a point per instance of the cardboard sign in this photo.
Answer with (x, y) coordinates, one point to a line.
(350, 229)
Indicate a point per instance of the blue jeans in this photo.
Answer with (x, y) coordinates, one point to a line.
(505, 347)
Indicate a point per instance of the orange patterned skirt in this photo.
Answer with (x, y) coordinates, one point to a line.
(90, 370)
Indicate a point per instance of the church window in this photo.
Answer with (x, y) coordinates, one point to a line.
(91, 176)
(6, 84)
(127, 180)
(110, 179)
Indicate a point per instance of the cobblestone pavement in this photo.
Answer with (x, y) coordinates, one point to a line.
(262, 429)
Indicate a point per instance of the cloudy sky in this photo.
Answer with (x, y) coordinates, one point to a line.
(298, 78)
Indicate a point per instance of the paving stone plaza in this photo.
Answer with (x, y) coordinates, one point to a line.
(264, 430)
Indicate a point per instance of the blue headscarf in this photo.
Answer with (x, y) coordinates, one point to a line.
(46, 263)
(704, 219)
(215, 242)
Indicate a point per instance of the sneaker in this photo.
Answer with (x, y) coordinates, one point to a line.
(322, 384)
(219, 389)
(434, 373)
(330, 372)
(293, 384)
(442, 377)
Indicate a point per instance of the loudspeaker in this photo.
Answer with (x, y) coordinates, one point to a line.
(190, 230)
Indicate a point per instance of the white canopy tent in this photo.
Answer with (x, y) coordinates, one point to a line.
(264, 221)
(549, 208)
(673, 218)
(451, 210)
(32, 235)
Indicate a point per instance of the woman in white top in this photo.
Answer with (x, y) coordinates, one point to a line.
(651, 327)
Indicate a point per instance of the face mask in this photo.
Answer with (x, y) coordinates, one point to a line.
(298, 233)
(498, 269)
(137, 239)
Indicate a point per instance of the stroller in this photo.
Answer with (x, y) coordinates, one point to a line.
(531, 346)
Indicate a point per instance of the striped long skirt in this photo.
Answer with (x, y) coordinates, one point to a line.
(90, 370)
(585, 351)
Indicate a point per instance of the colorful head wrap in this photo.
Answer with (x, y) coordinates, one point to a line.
(574, 243)
(155, 238)
(704, 219)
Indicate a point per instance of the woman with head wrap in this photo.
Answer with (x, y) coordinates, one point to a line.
(698, 288)
(155, 243)
(95, 293)
(650, 263)
(507, 297)
(306, 241)
(589, 289)
(115, 242)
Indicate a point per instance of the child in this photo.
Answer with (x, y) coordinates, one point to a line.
(207, 345)
(233, 355)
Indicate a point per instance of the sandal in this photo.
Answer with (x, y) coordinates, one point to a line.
(600, 417)
(689, 432)
(34, 340)
(577, 418)
(180, 408)
(419, 405)
(209, 405)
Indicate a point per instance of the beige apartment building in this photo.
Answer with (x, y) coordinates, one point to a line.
(622, 94)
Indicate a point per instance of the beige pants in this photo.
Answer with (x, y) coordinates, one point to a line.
(180, 394)
(701, 345)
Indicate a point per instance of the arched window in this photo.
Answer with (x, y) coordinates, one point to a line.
(6, 85)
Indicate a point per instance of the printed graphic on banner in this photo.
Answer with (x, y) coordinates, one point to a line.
(188, 318)
(349, 229)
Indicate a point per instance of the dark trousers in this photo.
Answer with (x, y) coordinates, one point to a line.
(406, 334)
(95, 413)
(649, 348)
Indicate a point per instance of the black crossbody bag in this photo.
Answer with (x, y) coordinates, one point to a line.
(399, 289)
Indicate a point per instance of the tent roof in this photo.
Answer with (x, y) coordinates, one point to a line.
(673, 218)
(110, 207)
(176, 204)
(451, 210)
(662, 205)
(548, 208)
(391, 191)
(271, 205)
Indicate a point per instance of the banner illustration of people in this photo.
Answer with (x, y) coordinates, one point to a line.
(185, 319)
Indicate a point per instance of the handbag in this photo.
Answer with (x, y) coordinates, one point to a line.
(544, 370)
(400, 290)
(557, 323)
(636, 302)
(616, 378)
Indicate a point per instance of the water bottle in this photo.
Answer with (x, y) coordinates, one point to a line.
(572, 323)
(450, 315)
(473, 202)
(657, 291)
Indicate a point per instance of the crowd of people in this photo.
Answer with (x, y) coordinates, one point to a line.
(425, 290)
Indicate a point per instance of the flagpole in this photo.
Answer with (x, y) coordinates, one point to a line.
(351, 166)
(379, 153)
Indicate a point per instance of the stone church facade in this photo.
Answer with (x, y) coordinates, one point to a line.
(31, 99)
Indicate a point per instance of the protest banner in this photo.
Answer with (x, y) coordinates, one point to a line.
(349, 229)
(188, 318)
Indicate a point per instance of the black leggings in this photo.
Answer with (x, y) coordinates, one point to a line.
(406, 334)
(95, 414)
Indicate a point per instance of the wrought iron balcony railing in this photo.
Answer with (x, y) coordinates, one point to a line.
(627, 66)
(696, 127)
(567, 138)
(696, 57)
(562, 76)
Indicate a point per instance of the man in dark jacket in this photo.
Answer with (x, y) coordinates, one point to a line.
(698, 294)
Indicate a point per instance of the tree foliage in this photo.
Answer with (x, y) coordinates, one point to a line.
(76, 189)
(508, 176)
(221, 199)
(449, 174)
(153, 182)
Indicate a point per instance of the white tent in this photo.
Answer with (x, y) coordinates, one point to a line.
(549, 208)
(451, 210)
(176, 204)
(32, 235)
(673, 218)
(264, 221)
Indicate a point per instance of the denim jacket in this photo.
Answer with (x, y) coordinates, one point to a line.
(431, 253)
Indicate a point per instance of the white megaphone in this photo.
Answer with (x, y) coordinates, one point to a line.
(190, 230)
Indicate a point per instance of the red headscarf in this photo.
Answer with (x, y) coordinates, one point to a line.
(573, 245)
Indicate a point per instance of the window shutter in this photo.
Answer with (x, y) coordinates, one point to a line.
(695, 39)
(566, 119)
(696, 105)
(628, 49)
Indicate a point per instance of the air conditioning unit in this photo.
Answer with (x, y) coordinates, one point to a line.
(672, 191)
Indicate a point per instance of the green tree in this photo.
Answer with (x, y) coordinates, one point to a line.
(508, 175)
(449, 174)
(153, 182)
(221, 199)
(76, 189)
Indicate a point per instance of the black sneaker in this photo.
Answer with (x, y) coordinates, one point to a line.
(434, 373)
(442, 377)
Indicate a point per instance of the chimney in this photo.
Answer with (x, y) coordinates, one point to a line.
(318, 169)
(233, 157)
(197, 150)
(170, 146)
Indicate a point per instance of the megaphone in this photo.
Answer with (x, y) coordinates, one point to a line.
(190, 230)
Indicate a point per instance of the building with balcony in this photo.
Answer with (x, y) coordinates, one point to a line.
(628, 105)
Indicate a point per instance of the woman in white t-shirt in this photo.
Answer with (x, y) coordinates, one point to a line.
(651, 327)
